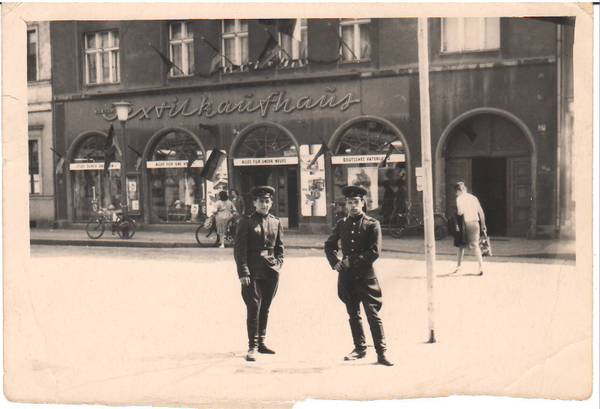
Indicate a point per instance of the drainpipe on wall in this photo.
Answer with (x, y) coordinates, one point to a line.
(559, 126)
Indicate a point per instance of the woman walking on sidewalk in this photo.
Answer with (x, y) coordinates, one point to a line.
(469, 210)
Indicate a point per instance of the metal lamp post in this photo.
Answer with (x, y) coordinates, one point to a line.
(122, 108)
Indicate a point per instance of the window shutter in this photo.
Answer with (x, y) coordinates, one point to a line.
(323, 39)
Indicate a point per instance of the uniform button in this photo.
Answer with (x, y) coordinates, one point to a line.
(352, 231)
(352, 241)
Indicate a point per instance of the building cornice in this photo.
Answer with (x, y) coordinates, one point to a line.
(227, 83)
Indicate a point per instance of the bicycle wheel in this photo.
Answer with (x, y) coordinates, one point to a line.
(126, 228)
(94, 229)
(206, 237)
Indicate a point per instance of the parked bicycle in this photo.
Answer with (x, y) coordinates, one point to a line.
(410, 224)
(123, 226)
(206, 234)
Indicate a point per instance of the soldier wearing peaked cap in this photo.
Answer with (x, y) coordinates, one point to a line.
(258, 253)
(360, 237)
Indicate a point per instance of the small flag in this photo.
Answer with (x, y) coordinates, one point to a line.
(213, 163)
(322, 150)
(387, 155)
(61, 162)
(60, 166)
(110, 148)
(215, 64)
(138, 161)
(269, 55)
(166, 60)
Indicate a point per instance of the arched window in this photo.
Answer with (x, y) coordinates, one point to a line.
(92, 184)
(368, 137)
(360, 150)
(266, 142)
(177, 192)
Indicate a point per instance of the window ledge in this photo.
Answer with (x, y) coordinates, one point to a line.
(459, 53)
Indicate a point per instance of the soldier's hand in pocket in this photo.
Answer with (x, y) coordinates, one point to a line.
(245, 281)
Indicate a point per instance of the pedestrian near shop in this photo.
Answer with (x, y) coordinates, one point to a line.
(225, 211)
(258, 253)
(472, 217)
(360, 237)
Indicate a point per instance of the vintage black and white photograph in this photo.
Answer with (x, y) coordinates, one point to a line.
(250, 209)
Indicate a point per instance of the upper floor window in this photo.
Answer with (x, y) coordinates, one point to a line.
(461, 34)
(102, 64)
(295, 48)
(235, 42)
(181, 49)
(32, 55)
(35, 177)
(356, 41)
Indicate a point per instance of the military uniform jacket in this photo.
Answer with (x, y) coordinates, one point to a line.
(258, 248)
(360, 239)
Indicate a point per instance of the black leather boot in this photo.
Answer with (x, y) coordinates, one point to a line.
(382, 359)
(252, 347)
(262, 348)
(358, 337)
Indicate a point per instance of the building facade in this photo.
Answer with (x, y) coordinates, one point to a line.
(270, 99)
(40, 130)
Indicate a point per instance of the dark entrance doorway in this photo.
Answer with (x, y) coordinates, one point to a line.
(268, 155)
(492, 156)
(489, 185)
(285, 181)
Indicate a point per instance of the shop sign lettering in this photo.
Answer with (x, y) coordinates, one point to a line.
(158, 164)
(351, 159)
(206, 107)
(292, 160)
(93, 166)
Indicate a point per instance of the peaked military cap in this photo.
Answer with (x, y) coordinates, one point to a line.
(354, 191)
(262, 191)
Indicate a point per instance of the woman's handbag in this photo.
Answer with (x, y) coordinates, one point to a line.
(484, 244)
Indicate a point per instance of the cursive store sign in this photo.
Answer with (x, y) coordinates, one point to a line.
(207, 107)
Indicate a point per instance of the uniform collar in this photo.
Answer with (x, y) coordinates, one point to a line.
(261, 216)
(356, 218)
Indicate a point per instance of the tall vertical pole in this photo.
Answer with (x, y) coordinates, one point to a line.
(427, 168)
(123, 171)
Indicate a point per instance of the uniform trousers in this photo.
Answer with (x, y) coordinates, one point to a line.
(353, 292)
(257, 297)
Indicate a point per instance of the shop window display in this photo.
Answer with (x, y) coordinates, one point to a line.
(177, 191)
(358, 158)
(94, 184)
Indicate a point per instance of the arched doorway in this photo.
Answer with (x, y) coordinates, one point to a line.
(90, 183)
(267, 154)
(359, 147)
(176, 191)
(494, 154)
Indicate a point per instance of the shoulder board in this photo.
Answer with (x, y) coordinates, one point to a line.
(370, 219)
(273, 216)
(342, 220)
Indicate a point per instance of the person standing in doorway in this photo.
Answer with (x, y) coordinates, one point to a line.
(469, 209)
(360, 237)
(258, 253)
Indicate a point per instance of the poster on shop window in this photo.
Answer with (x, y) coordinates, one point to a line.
(365, 177)
(312, 181)
(213, 188)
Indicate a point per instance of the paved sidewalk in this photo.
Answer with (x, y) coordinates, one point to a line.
(501, 246)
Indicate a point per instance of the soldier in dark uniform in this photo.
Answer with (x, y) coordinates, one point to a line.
(360, 237)
(258, 253)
